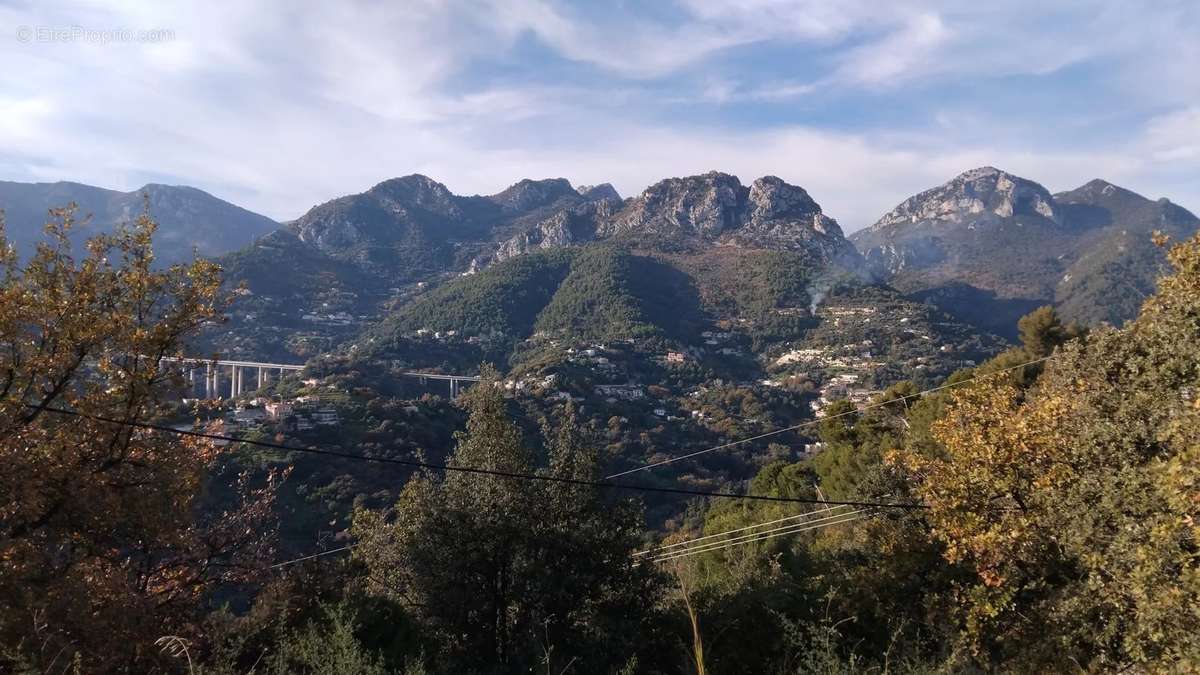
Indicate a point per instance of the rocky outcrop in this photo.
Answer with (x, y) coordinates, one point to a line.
(693, 207)
(601, 192)
(923, 230)
(973, 195)
(568, 227)
(1089, 251)
(783, 216)
(395, 210)
(530, 194)
(417, 221)
(714, 208)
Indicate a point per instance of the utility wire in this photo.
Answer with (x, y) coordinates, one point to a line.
(685, 552)
(661, 551)
(654, 551)
(331, 551)
(664, 553)
(689, 542)
(809, 423)
(722, 545)
(462, 469)
(753, 536)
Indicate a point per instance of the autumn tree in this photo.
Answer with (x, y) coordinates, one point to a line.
(103, 546)
(1075, 500)
(504, 574)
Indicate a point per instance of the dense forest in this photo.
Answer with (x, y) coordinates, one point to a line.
(1035, 513)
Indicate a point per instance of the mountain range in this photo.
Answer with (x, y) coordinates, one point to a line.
(986, 246)
(190, 220)
(989, 246)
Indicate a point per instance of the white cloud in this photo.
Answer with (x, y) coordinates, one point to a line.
(622, 44)
(279, 110)
(1174, 136)
(913, 47)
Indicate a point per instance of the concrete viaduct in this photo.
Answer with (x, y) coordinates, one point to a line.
(217, 385)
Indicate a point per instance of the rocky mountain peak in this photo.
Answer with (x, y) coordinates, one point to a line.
(771, 198)
(414, 184)
(1099, 202)
(601, 192)
(972, 195)
(711, 208)
(1098, 190)
(529, 194)
(695, 206)
(415, 190)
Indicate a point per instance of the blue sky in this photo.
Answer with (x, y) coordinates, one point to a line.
(280, 106)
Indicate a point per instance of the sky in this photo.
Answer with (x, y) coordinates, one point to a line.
(278, 106)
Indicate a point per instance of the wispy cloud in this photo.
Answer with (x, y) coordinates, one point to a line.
(279, 108)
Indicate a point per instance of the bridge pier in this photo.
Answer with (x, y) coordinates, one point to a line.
(214, 387)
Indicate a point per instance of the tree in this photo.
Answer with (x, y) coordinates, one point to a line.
(1041, 331)
(501, 573)
(1074, 500)
(103, 544)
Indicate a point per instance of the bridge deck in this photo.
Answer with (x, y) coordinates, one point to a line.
(299, 367)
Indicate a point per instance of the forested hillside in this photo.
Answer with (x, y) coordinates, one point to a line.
(1034, 513)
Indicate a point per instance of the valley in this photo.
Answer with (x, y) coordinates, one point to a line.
(703, 336)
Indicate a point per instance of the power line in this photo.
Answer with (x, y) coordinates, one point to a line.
(462, 469)
(672, 460)
(331, 551)
(689, 542)
(753, 536)
(688, 554)
(846, 518)
(662, 552)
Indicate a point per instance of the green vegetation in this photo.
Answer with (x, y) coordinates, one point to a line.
(1040, 517)
(544, 568)
(612, 293)
(1060, 529)
(505, 299)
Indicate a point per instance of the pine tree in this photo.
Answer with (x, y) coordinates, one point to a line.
(504, 573)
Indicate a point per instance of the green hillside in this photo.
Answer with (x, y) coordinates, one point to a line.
(504, 299)
(612, 293)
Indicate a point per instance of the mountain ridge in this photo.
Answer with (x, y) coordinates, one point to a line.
(990, 237)
(188, 217)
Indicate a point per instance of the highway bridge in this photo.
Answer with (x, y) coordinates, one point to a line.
(229, 377)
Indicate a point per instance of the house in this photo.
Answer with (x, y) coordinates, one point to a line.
(676, 357)
(625, 392)
(326, 417)
(279, 410)
(249, 415)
